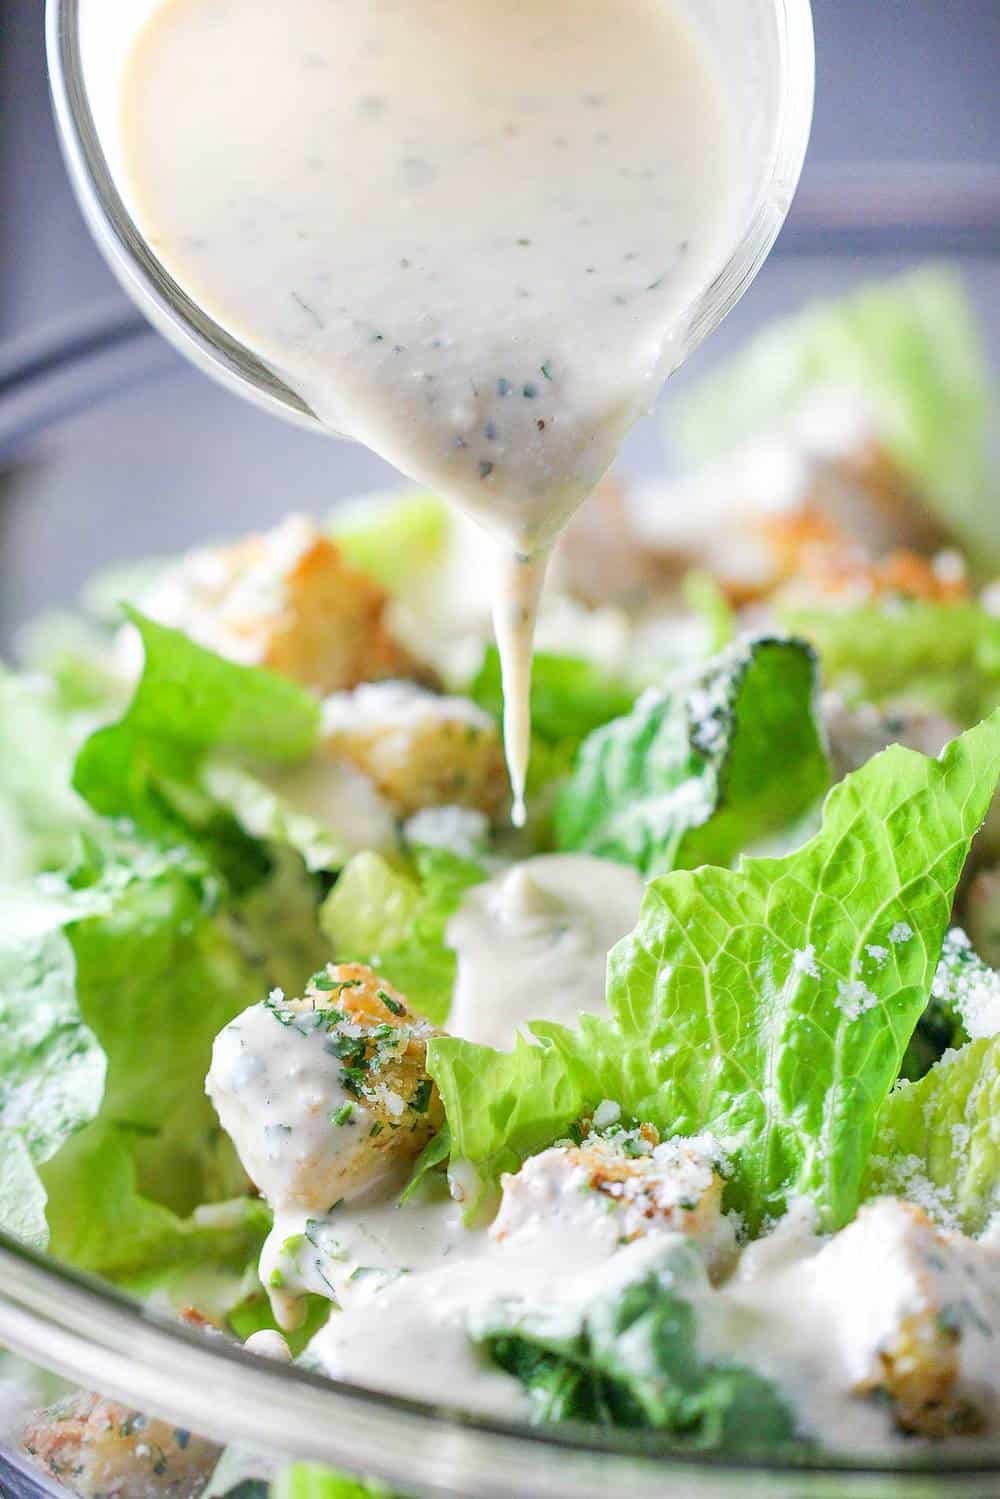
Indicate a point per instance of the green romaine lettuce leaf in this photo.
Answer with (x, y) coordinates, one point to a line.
(40, 816)
(945, 657)
(395, 922)
(631, 1358)
(938, 1140)
(911, 351)
(393, 538)
(112, 989)
(189, 703)
(100, 1221)
(702, 769)
(770, 1005)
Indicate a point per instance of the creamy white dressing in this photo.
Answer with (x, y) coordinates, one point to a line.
(468, 233)
(532, 944)
(826, 1321)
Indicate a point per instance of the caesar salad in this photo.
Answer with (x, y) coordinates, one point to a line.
(673, 1109)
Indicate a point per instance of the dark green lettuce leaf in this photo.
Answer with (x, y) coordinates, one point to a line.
(631, 1358)
(570, 696)
(189, 703)
(703, 768)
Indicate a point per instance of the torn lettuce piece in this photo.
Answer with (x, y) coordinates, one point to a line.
(189, 703)
(100, 1221)
(394, 920)
(631, 1357)
(910, 350)
(114, 986)
(393, 537)
(40, 815)
(943, 657)
(770, 1005)
(703, 768)
(938, 1140)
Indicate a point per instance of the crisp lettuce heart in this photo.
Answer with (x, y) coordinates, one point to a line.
(770, 1005)
(938, 1140)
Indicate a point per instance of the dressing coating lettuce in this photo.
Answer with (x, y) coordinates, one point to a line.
(704, 767)
(631, 1358)
(770, 1005)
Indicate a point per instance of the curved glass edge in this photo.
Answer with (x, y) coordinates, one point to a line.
(797, 59)
(85, 1331)
(215, 351)
(139, 272)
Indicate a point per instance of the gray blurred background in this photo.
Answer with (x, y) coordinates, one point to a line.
(110, 447)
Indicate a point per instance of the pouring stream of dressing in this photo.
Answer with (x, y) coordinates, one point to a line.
(466, 232)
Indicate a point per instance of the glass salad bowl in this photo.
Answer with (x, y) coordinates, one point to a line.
(112, 448)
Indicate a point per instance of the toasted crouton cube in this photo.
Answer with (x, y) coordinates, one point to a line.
(420, 749)
(288, 601)
(918, 1310)
(632, 1182)
(101, 1450)
(327, 1095)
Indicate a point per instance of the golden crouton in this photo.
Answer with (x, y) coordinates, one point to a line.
(326, 1095)
(420, 750)
(642, 1187)
(286, 600)
(101, 1450)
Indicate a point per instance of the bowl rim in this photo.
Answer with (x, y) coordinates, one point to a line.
(96, 1336)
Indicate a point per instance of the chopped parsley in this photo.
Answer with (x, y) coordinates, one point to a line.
(421, 1096)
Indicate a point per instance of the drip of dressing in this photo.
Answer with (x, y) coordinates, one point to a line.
(467, 233)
